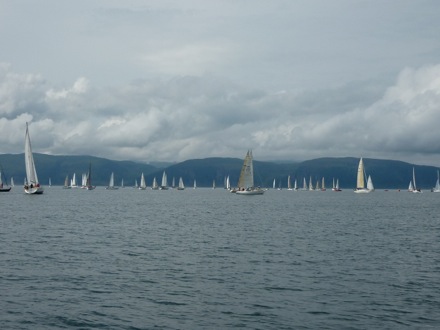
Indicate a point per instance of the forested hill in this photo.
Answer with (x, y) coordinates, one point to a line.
(385, 173)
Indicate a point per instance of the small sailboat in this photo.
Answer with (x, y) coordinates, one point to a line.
(213, 184)
(164, 183)
(311, 184)
(295, 185)
(289, 183)
(360, 180)
(305, 184)
(181, 186)
(228, 183)
(273, 184)
(155, 186)
(195, 184)
(370, 185)
(111, 184)
(32, 185)
(73, 181)
(88, 185)
(246, 180)
(12, 182)
(143, 185)
(437, 184)
(336, 186)
(3, 185)
(323, 184)
(66, 183)
(415, 189)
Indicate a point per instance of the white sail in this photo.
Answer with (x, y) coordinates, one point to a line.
(246, 179)
(415, 189)
(143, 185)
(289, 183)
(181, 186)
(164, 183)
(305, 184)
(437, 184)
(360, 179)
(32, 184)
(310, 184)
(12, 182)
(195, 184)
(111, 184)
(370, 184)
(295, 185)
(155, 186)
(228, 183)
(73, 181)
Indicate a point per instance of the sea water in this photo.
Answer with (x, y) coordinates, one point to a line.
(209, 259)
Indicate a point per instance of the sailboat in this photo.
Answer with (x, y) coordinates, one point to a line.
(164, 183)
(12, 182)
(289, 183)
(415, 189)
(213, 184)
(155, 186)
(111, 184)
(32, 185)
(143, 185)
(311, 184)
(273, 184)
(228, 183)
(88, 185)
(437, 184)
(370, 185)
(181, 186)
(360, 181)
(195, 184)
(323, 184)
(3, 186)
(336, 186)
(295, 185)
(246, 180)
(305, 184)
(73, 181)
(66, 183)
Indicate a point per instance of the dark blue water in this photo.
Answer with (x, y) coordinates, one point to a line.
(208, 259)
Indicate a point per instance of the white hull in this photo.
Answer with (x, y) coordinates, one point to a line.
(250, 192)
(362, 191)
(35, 190)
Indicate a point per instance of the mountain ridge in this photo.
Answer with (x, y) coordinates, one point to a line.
(392, 174)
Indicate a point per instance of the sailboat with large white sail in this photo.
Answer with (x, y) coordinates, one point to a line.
(155, 186)
(143, 185)
(289, 183)
(360, 180)
(164, 183)
(415, 189)
(246, 180)
(181, 186)
(437, 184)
(111, 184)
(73, 181)
(32, 185)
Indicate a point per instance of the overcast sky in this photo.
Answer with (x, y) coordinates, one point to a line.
(171, 80)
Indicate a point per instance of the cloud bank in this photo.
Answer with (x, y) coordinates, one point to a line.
(205, 116)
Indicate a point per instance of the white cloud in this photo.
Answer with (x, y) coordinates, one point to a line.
(196, 117)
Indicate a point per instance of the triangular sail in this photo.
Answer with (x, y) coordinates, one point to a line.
(360, 183)
(246, 179)
(31, 173)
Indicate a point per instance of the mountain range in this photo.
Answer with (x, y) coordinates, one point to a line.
(386, 174)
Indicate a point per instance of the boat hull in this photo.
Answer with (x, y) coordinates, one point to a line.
(250, 192)
(362, 191)
(34, 190)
